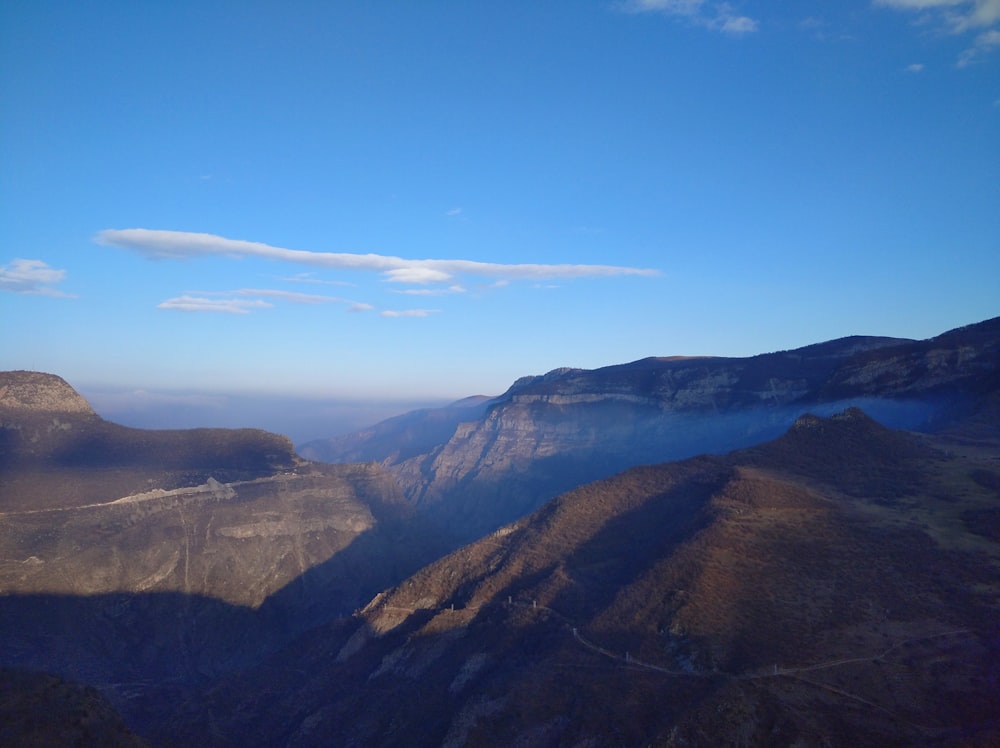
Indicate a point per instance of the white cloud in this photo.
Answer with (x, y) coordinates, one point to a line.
(715, 16)
(409, 313)
(961, 15)
(202, 304)
(432, 291)
(292, 296)
(416, 275)
(33, 277)
(737, 24)
(916, 67)
(674, 7)
(308, 278)
(234, 302)
(958, 17)
(984, 44)
(183, 245)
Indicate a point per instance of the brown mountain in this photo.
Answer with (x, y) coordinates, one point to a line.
(550, 433)
(836, 586)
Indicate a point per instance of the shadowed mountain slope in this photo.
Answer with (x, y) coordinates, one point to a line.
(41, 711)
(550, 433)
(837, 586)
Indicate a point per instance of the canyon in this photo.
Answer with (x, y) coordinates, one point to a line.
(804, 542)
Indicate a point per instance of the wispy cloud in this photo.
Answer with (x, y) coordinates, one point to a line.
(292, 296)
(183, 245)
(33, 277)
(237, 301)
(409, 312)
(204, 304)
(958, 17)
(721, 17)
(983, 44)
(916, 67)
(309, 278)
(432, 291)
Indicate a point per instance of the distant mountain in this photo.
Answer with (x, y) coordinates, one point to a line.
(399, 438)
(836, 586)
(549, 433)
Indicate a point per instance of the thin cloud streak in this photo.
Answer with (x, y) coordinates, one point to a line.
(292, 296)
(432, 291)
(958, 17)
(720, 17)
(234, 302)
(202, 304)
(307, 278)
(174, 245)
(409, 313)
(32, 277)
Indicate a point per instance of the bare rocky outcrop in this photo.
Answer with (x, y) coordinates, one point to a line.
(37, 392)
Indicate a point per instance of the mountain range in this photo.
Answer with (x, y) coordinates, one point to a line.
(482, 463)
(583, 560)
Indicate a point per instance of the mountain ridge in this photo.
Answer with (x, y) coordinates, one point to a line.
(548, 433)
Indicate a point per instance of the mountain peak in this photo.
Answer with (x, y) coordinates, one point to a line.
(39, 392)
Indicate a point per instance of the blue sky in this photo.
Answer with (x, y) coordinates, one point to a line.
(389, 201)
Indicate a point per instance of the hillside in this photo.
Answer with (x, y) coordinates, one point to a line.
(162, 558)
(836, 586)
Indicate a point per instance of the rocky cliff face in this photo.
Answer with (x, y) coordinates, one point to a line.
(549, 433)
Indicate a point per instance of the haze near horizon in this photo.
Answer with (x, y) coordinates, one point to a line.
(418, 202)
